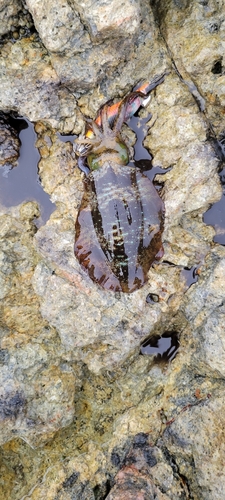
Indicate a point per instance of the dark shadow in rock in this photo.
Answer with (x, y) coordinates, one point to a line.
(71, 480)
(23, 27)
(217, 68)
(101, 490)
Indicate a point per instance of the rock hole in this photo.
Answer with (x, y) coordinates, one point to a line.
(163, 348)
(152, 298)
(214, 27)
(101, 491)
(217, 67)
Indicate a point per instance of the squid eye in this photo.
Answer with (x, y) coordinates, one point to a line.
(92, 161)
(122, 152)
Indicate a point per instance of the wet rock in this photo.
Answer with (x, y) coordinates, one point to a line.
(59, 26)
(37, 391)
(86, 70)
(146, 473)
(110, 19)
(185, 150)
(74, 29)
(9, 143)
(29, 84)
(204, 308)
(129, 62)
(72, 60)
(194, 32)
(196, 447)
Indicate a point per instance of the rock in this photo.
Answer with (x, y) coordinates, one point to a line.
(205, 311)
(34, 409)
(86, 70)
(9, 142)
(110, 20)
(30, 85)
(197, 448)
(184, 157)
(145, 474)
(72, 60)
(59, 26)
(8, 15)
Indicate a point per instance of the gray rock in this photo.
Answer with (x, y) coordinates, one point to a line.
(199, 58)
(59, 26)
(8, 15)
(29, 85)
(195, 441)
(109, 19)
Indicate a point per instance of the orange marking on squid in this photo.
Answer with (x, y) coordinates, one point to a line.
(113, 109)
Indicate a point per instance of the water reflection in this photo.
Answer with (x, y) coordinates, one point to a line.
(165, 348)
(215, 216)
(190, 275)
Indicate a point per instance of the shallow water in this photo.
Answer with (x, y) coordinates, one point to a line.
(215, 216)
(142, 157)
(190, 275)
(164, 348)
(22, 183)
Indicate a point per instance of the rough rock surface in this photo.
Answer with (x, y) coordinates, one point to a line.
(9, 143)
(29, 84)
(82, 414)
(199, 53)
(104, 19)
(59, 26)
(27, 342)
(69, 56)
(8, 14)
